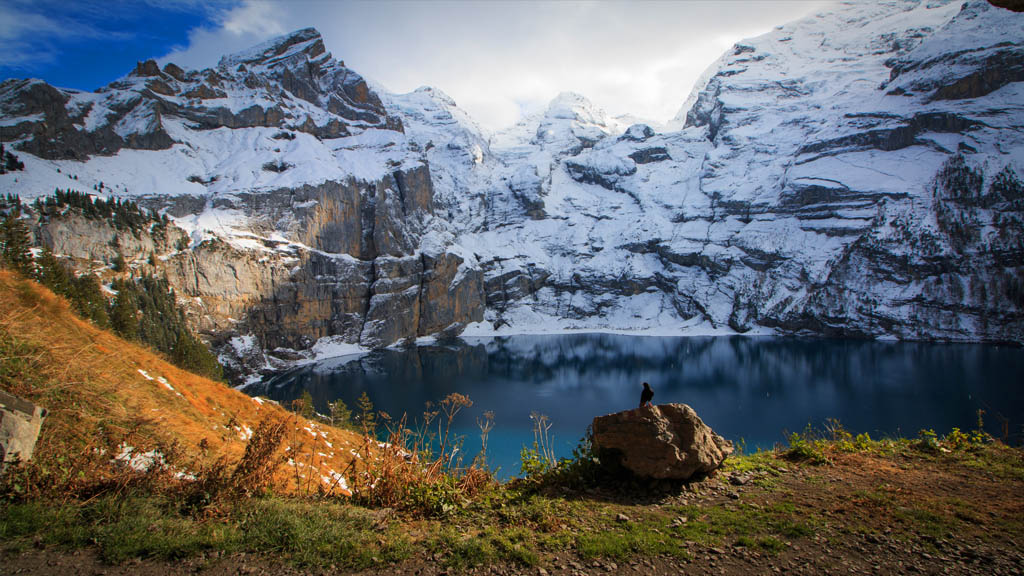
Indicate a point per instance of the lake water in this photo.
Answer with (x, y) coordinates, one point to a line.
(750, 390)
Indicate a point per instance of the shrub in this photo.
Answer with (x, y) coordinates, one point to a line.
(419, 471)
(805, 448)
(928, 440)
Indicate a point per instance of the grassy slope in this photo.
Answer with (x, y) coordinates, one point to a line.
(839, 505)
(102, 391)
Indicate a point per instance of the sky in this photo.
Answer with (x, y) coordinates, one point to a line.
(498, 60)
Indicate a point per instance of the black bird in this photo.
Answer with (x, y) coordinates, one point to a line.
(646, 395)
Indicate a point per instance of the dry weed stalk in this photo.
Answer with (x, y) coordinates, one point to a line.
(542, 440)
(450, 406)
(405, 472)
(486, 424)
(255, 471)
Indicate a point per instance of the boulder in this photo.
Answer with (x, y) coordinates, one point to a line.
(664, 442)
(20, 421)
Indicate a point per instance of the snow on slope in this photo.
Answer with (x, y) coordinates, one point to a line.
(798, 151)
(787, 154)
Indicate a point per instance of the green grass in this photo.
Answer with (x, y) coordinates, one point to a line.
(53, 524)
(763, 466)
(301, 532)
(318, 533)
(1003, 462)
(767, 543)
(715, 525)
(642, 538)
(466, 550)
(927, 522)
(512, 526)
(879, 496)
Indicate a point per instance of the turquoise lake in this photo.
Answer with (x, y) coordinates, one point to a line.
(752, 390)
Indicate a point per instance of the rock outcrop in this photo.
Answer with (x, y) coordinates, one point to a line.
(663, 442)
(20, 422)
(288, 74)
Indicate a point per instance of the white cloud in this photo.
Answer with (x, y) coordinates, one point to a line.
(497, 59)
(30, 30)
(25, 30)
(255, 18)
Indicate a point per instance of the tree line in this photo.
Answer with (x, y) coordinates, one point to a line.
(144, 309)
(121, 214)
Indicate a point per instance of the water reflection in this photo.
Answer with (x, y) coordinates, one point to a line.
(752, 389)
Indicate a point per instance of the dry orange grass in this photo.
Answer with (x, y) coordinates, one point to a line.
(103, 393)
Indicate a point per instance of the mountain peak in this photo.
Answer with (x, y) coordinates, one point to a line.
(576, 108)
(569, 105)
(306, 42)
(437, 94)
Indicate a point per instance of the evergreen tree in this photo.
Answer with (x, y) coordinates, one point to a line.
(192, 355)
(50, 272)
(9, 162)
(340, 413)
(367, 417)
(88, 300)
(303, 405)
(122, 215)
(10, 201)
(15, 243)
(124, 313)
(1006, 185)
(146, 309)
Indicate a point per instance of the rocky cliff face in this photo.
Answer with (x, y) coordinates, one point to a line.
(823, 178)
(302, 213)
(290, 82)
(852, 173)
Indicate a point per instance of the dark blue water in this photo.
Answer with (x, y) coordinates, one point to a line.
(750, 390)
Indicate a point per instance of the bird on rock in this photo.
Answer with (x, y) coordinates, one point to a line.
(646, 395)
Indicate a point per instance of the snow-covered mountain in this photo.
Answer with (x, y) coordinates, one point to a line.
(309, 214)
(852, 173)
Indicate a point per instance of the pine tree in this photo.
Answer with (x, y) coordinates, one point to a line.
(124, 312)
(146, 309)
(1006, 185)
(340, 414)
(15, 240)
(9, 162)
(192, 355)
(367, 417)
(50, 272)
(88, 300)
(303, 405)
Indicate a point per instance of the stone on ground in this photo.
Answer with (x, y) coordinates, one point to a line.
(663, 442)
(20, 421)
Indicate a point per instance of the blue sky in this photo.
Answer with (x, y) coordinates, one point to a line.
(498, 59)
(85, 45)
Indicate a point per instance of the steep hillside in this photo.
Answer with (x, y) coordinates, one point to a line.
(113, 402)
